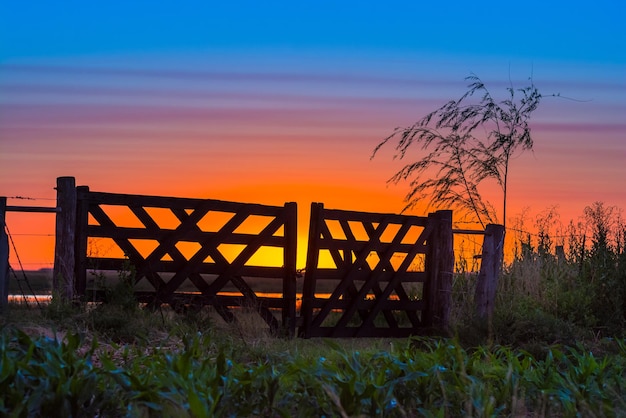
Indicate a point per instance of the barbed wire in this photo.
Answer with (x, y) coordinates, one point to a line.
(30, 198)
(19, 261)
(467, 223)
(33, 235)
(537, 235)
(39, 263)
(522, 231)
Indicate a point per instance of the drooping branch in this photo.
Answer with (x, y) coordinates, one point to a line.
(459, 155)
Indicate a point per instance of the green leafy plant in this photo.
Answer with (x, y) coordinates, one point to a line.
(51, 377)
(203, 376)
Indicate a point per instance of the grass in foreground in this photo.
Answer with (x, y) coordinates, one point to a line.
(182, 366)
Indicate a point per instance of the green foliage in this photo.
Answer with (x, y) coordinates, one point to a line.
(121, 292)
(203, 377)
(585, 287)
(564, 284)
(51, 377)
(604, 265)
(119, 317)
(60, 308)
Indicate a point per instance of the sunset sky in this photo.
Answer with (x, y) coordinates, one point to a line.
(270, 102)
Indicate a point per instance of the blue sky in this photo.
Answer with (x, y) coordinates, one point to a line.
(572, 31)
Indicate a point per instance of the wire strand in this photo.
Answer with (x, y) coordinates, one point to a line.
(30, 198)
(19, 261)
(33, 235)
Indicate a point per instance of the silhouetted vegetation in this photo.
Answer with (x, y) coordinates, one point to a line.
(466, 142)
(586, 284)
(565, 283)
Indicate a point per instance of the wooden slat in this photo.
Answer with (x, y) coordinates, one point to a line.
(195, 299)
(116, 264)
(359, 246)
(82, 219)
(36, 209)
(388, 304)
(117, 199)
(352, 216)
(290, 254)
(115, 232)
(336, 274)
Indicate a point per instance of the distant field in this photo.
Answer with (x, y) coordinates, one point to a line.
(40, 282)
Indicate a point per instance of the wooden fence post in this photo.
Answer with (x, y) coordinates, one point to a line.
(63, 273)
(290, 255)
(439, 269)
(308, 290)
(4, 258)
(80, 244)
(491, 262)
(445, 262)
(431, 268)
(559, 253)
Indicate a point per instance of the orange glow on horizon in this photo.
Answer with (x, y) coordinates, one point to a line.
(33, 233)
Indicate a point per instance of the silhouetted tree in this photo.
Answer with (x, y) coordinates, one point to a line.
(465, 143)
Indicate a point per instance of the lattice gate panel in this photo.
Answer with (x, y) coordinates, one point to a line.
(192, 252)
(366, 274)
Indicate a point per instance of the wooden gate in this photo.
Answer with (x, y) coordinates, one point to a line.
(376, 275)
(192, 251)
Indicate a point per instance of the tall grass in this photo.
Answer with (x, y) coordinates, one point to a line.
(562, 284)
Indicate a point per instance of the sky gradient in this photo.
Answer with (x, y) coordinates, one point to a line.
(269, 102)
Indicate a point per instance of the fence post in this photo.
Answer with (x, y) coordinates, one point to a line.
(4, 258)
(290, 255)
(80, 244)
(559, 253)
(308, 289)
(431, 267)
(63, 273)
(491, 262)
(445, 270)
